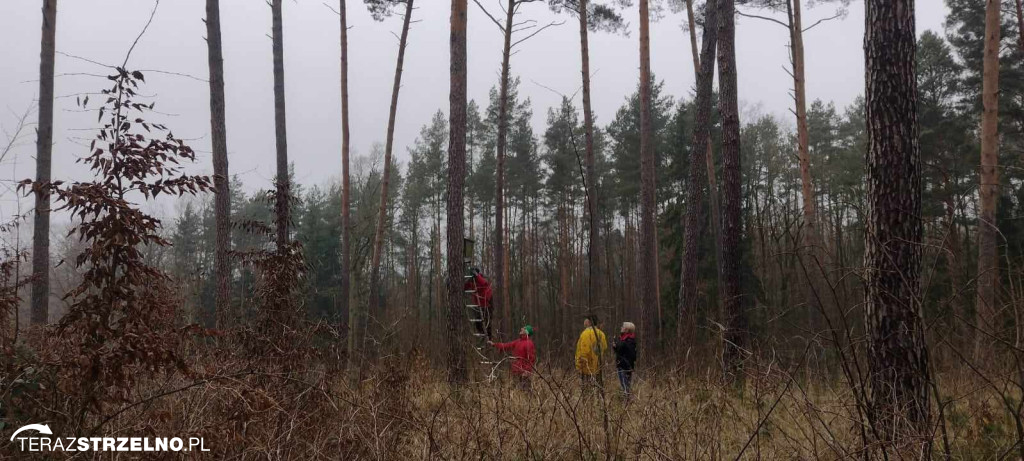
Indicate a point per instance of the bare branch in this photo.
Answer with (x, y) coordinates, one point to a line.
(156, 4)
(537, 32)
(488, 13)
(763, 18)
(179, 74)
(68, 55)
(838, 14)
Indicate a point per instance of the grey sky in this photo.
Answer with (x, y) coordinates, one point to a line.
(102, 30)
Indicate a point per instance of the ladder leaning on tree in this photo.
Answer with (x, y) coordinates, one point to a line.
(477, 317)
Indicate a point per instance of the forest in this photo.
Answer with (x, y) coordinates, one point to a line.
(688, 279)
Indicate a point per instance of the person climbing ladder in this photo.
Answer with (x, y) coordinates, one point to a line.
(481, 294)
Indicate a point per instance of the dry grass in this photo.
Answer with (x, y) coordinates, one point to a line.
(403, 409)
(398, 415)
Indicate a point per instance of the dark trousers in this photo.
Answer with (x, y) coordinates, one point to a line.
(484, 326)
(625, 379)
(523, 382)
(591, 382)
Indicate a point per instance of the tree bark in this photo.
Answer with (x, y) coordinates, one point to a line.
(591, 175)
(346, 223)
(382, 212)
(988, 268)
(281, 205)
(456, 318)
(897, 357)
(1020, 24)
(221, 179)
(809, 232)
(506, 265)
(563, 264)
(694, 219)
(716, 215)
(44, 150)
(648, 249)
(732, 245)
(499, 192)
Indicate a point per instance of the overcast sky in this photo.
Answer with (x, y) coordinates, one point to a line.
(102, 31)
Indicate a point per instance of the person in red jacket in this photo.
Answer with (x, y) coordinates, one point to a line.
(482, 296)
(524, 353)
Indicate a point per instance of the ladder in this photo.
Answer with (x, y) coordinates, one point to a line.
(477, 318)
(475, 311)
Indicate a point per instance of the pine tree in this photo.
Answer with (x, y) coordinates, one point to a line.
(283, 191)
(44, 154)
(695, 187)
(592, 17)
(988, 191)
(897, 357)
(218, 132)
(380, 9)
(732, 226)
(456, 322)
(345, 294)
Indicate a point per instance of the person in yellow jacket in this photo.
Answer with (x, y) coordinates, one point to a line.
(590, 350)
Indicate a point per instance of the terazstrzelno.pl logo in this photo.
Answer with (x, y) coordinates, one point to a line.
(39, 438)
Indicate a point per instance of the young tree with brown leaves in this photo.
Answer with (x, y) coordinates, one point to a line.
(120, 318)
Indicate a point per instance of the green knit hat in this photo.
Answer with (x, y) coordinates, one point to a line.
(529, 330)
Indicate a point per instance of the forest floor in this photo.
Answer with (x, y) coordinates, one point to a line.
(409, 412)
(252, 406)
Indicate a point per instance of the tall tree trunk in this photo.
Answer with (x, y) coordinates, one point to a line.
(809, 232)
(988, 268)
(523, 255)
(281, 205)
(732, 245)
(1020, 24)
(897, 357)
(457, 373)
(716, 214)
(346, 217)
(591, 175)
(378, 235)
(470, 166)
(563, 266)
(413, 277)
(694, 219)
(499, 191)
(44, 150)
(954, 257)
(218, 130)
(506, 304)
(648, 242)
(436, 281)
